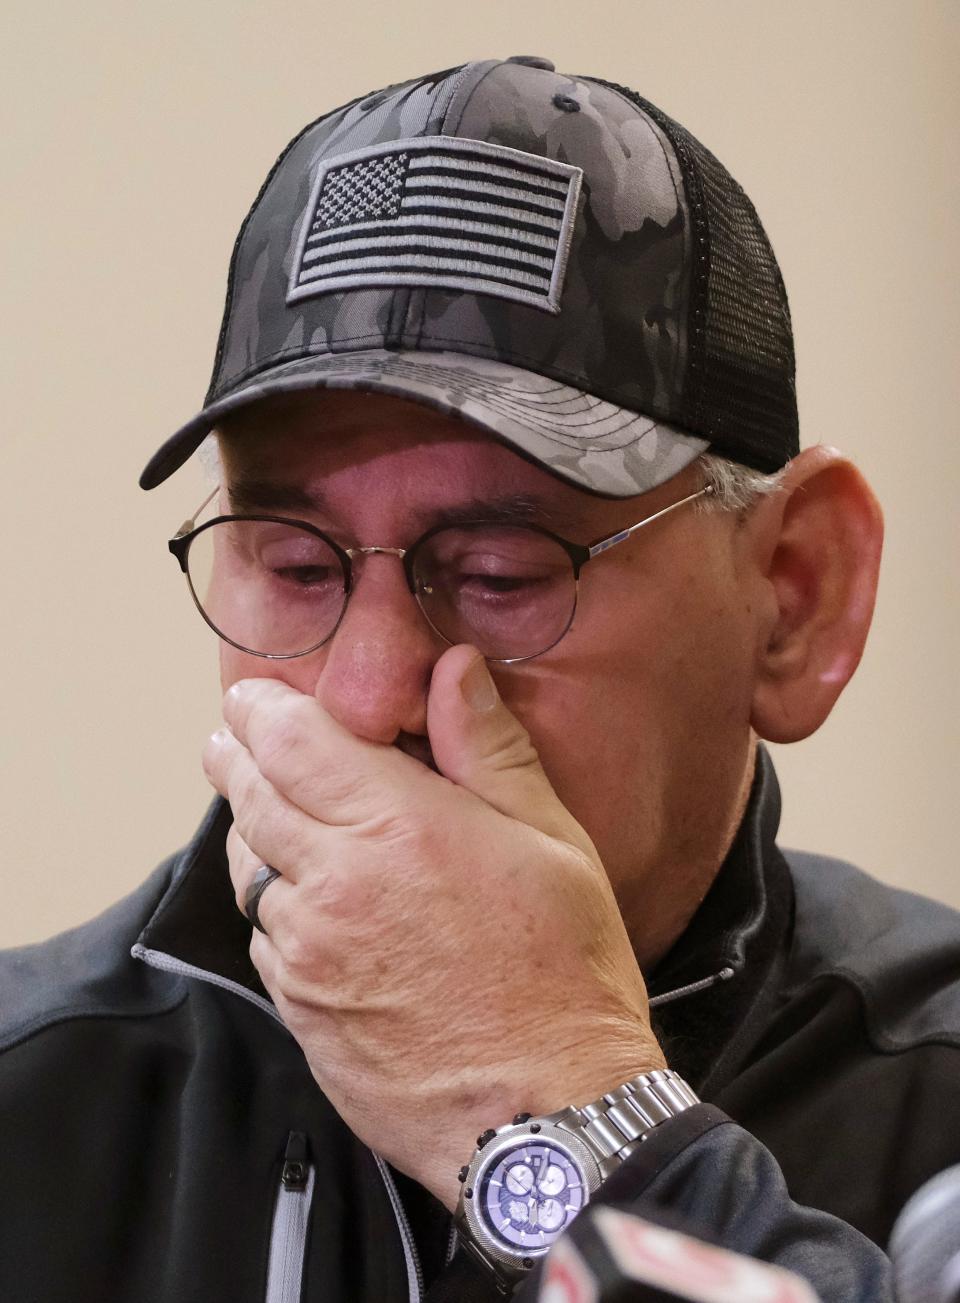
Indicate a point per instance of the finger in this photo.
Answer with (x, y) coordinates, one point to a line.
(215, 759)
(275, 831)
(264, 900)
(480, 745)
(242, 863)
(317, 764)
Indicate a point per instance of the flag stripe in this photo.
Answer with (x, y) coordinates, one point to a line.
(425, 236)
(451, 258)
(445, 247)
(534, 238)
(433, 162)
(494, 177)
(453, 210)
(502, 217)
(475, 156)
(469, 196)
(498, 219)
(494, 192)
(423, 265)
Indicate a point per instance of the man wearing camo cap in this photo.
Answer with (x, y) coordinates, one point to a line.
(515, 562)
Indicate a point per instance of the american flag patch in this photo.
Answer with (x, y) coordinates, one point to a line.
(438, 212)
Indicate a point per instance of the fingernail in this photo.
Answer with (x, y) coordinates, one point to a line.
(478, 688)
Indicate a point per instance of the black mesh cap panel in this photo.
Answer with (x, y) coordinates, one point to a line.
(739, 390)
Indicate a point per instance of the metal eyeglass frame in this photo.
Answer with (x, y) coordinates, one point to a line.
(578, 553)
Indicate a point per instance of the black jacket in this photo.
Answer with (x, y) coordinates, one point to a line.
(152, 1103)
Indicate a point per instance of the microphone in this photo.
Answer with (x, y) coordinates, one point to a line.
(625, 1259)
(925, 1242)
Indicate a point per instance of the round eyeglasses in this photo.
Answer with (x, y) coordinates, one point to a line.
(278, 588)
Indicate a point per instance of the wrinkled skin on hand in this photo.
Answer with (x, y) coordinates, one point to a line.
(445, 947)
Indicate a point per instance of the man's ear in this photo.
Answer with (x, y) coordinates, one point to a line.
(818, 540)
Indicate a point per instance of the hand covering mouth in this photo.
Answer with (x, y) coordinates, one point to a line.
(418, 748)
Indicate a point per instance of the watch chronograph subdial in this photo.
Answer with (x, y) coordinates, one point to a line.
(519, 1179)
(551, 1179)
(551, 1215)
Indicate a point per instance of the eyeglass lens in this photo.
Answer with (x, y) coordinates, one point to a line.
(276, 589)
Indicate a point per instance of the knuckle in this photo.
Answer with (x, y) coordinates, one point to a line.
(263, 959)
(241, 857)
(282, 737)
(340, 896)
(514, 749)
(244, 785)
(247, 803)
(238, 856)
(298, 958)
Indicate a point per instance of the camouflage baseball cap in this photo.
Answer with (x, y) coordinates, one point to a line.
(549, 257)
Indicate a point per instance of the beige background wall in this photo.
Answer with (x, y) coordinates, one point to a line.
(134, 138)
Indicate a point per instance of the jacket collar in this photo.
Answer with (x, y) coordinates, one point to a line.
(196, 928)
(705, 993)
(728, 963)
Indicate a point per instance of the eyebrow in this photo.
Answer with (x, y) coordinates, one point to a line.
(248, 495)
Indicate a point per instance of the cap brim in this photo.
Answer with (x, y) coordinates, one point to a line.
(585, 440)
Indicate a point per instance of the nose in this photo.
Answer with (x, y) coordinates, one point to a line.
(376, 673)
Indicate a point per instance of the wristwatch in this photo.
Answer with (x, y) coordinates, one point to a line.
(529, 1179)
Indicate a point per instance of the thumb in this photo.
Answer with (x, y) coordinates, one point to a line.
(480, 745)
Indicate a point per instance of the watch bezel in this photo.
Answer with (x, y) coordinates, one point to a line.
(483, 1237)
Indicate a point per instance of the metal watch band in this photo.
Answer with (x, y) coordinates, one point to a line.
(613, 1126)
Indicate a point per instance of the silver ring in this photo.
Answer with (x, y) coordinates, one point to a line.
(251, 901)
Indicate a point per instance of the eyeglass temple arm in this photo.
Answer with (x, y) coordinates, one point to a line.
(188, 524)
(624, 534)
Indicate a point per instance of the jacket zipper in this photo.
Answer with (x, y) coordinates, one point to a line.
(453, 1242)
(291, 1218)
(414, 1271)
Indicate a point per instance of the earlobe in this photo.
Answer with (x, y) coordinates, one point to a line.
(823, 533)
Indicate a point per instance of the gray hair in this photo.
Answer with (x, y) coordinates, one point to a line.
(735, 488)
(209, 456)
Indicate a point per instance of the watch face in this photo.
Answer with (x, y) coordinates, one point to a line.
(530, 1194)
